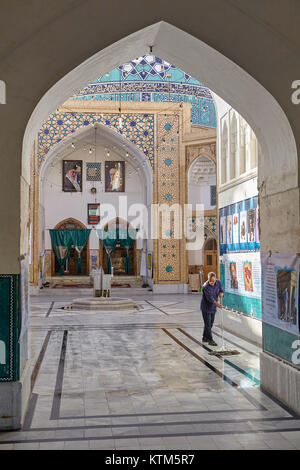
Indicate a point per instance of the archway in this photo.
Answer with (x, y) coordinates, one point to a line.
(201, 178)
(72, 261)
(118, 255)
(277, 175)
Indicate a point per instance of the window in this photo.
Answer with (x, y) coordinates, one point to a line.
(213, 195)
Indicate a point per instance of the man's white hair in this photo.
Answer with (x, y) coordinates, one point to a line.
(211, 274)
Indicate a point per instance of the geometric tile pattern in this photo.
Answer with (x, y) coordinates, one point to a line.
(168, 184)
(137, 128)
(210, 224)
(93, 171)
(150, 78)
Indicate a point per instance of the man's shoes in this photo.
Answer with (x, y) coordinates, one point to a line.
(204, 340)
(212, 343)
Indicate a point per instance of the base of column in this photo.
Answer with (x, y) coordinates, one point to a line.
(170, 288)
(246, 327)
(280, 380)
(14, 397)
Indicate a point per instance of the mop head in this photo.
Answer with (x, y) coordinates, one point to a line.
(225, 352)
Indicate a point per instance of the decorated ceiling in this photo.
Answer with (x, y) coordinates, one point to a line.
(150, 78)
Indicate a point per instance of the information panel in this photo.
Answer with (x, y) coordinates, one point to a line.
(280, 289)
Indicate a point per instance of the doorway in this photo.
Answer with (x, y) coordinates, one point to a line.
(210, 257)
(72, 261)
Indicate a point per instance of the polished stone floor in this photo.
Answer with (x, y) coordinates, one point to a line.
(142, 379)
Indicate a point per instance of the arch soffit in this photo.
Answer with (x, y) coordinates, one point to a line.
(235, 88)
(71, 221)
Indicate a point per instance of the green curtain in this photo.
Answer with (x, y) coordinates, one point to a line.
(126, 237)
(111, 237)
(79, 239)
(61, 242)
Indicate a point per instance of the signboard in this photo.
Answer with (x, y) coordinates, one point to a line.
(280, 290)
(93, 214)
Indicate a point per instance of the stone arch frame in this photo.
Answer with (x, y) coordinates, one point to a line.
(172, 44)
(87, 246)
(118, 219)
(183, 50)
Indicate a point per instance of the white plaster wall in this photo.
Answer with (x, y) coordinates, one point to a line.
(60, 205)
(200, 193)
(238, 192)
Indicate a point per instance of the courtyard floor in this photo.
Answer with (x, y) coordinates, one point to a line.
(142, 379)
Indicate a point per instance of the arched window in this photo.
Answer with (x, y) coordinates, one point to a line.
(233, 146)
(242, 152)
(224, 153)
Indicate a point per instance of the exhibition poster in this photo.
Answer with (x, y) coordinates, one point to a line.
(243, 274)
(280, 290)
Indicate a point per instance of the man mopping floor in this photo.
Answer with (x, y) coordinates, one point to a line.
(211, 291)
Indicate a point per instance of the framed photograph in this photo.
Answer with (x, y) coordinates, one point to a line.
(114, 177)
(93, 214)
(72, 176)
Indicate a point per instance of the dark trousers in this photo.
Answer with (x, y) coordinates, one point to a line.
(209, 319)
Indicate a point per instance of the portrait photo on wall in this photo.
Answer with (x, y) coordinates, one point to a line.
(114, 177)
(72, 175)
(223, 230)
(251, 225)
(235, 228)
(287, 295)
(243, 227)
(229, 229)
(247, 275)
(233, 276)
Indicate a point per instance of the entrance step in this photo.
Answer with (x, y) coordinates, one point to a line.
(69, 281)
(85, 281)
(126, 281)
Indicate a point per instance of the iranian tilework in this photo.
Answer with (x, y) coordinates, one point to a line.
(168, 189)
(150, 78)
(93, 171)
(137, 128)
(9, 317)
(210, 224)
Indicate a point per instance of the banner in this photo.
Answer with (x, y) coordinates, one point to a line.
(280, 290)
(239, 227)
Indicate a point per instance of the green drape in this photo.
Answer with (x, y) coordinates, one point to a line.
(111, 237)
(79, 238)
(109, 240)
(61, 242)
(126, 237)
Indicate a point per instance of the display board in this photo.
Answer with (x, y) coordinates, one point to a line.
(239, 227)
(243, 274)
(242, 282)
(280, 290)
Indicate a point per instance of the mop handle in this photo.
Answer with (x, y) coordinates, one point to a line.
(221, 299)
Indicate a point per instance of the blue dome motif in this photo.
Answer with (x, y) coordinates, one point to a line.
(150, 78)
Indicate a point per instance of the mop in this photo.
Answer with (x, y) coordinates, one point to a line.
(223, 351)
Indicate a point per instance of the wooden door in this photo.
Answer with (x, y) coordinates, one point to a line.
(210, 257)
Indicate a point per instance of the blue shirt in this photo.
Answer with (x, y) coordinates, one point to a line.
(210, 293)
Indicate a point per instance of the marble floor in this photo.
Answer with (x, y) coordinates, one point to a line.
(142, 379)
